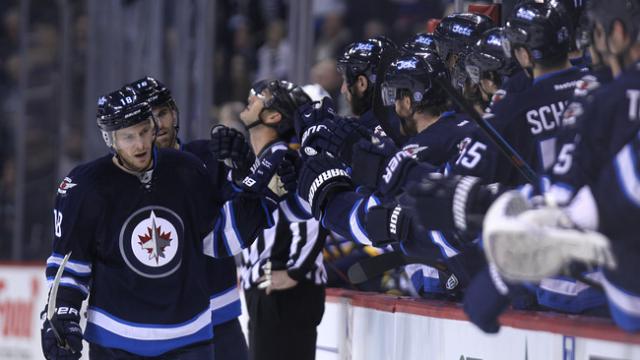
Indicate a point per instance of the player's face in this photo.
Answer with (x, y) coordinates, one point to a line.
(166, 120)
(403, 107)
(134, 145)
(254, 107)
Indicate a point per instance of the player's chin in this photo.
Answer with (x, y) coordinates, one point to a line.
(141, 161)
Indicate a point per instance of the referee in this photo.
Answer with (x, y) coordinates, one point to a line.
(283, 275)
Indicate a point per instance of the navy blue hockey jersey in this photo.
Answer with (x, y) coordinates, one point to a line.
(137, 248)
(528, 120)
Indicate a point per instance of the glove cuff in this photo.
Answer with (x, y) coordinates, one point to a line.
(325, 184)
(461, 200)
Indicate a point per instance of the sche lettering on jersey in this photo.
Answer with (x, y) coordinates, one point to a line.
(546, 118)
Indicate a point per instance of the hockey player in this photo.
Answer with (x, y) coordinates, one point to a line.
(487, 65)
(421, 42)
(229, 341)
(283, 275)
(455, 35)
(362, 65)
(411, 86)
(136, 231)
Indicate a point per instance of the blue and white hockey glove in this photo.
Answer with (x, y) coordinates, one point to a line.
(67, 323)
(321, 177)
(230, 146)
(369, 160)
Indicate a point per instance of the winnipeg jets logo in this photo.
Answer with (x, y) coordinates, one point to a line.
(65, 185)
(155, 240)
(151, 241)
(406, 64)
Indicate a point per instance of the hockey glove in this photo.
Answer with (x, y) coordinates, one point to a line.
(485, 299)
(322, 176)
(334, 136)
(388, 224)
(230, 146)
(67, 323)
(369, 160)
(449, 203)
(311, 114)
(263, 181)
(289, 170)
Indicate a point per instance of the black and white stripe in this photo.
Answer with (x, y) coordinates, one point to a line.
(295, 246)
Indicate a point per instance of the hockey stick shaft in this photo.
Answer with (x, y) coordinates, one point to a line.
(51, 303)
(505, 148)
(370, 268)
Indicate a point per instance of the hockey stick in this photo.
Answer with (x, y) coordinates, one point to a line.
(505, 148)
(373, 267)
(51, 304)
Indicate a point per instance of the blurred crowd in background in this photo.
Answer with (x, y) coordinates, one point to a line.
(250, 44)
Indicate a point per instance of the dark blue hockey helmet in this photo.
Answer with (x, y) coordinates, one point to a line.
(156, 94)
(153, 91)
(487, 58)
(415, 75)
(541, 28)
(120, 109)
(455, 35)
(420, 42)
(364, 58)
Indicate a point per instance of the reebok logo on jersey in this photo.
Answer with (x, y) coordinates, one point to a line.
(322, 178)
(565, 86)
(65, 185)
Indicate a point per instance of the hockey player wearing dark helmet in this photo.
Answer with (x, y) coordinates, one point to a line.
(360, 67)
(164, 109)
(128, 128)
(420, 42)
(487, 65)
(136, 234)
(454, 36)
(538, 36)
(220, 275)
(409, 86)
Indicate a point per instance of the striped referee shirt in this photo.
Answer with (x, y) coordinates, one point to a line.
(294, 244)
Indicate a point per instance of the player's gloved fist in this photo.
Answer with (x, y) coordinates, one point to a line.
(289, 170)
(313, 113)
(262, 181)
(334, 136)
(485, 299)
(67, 323)
(396, 173)
(322, 176)
(230, 146)
(449, 203)
(369, 160)
(388, 224)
